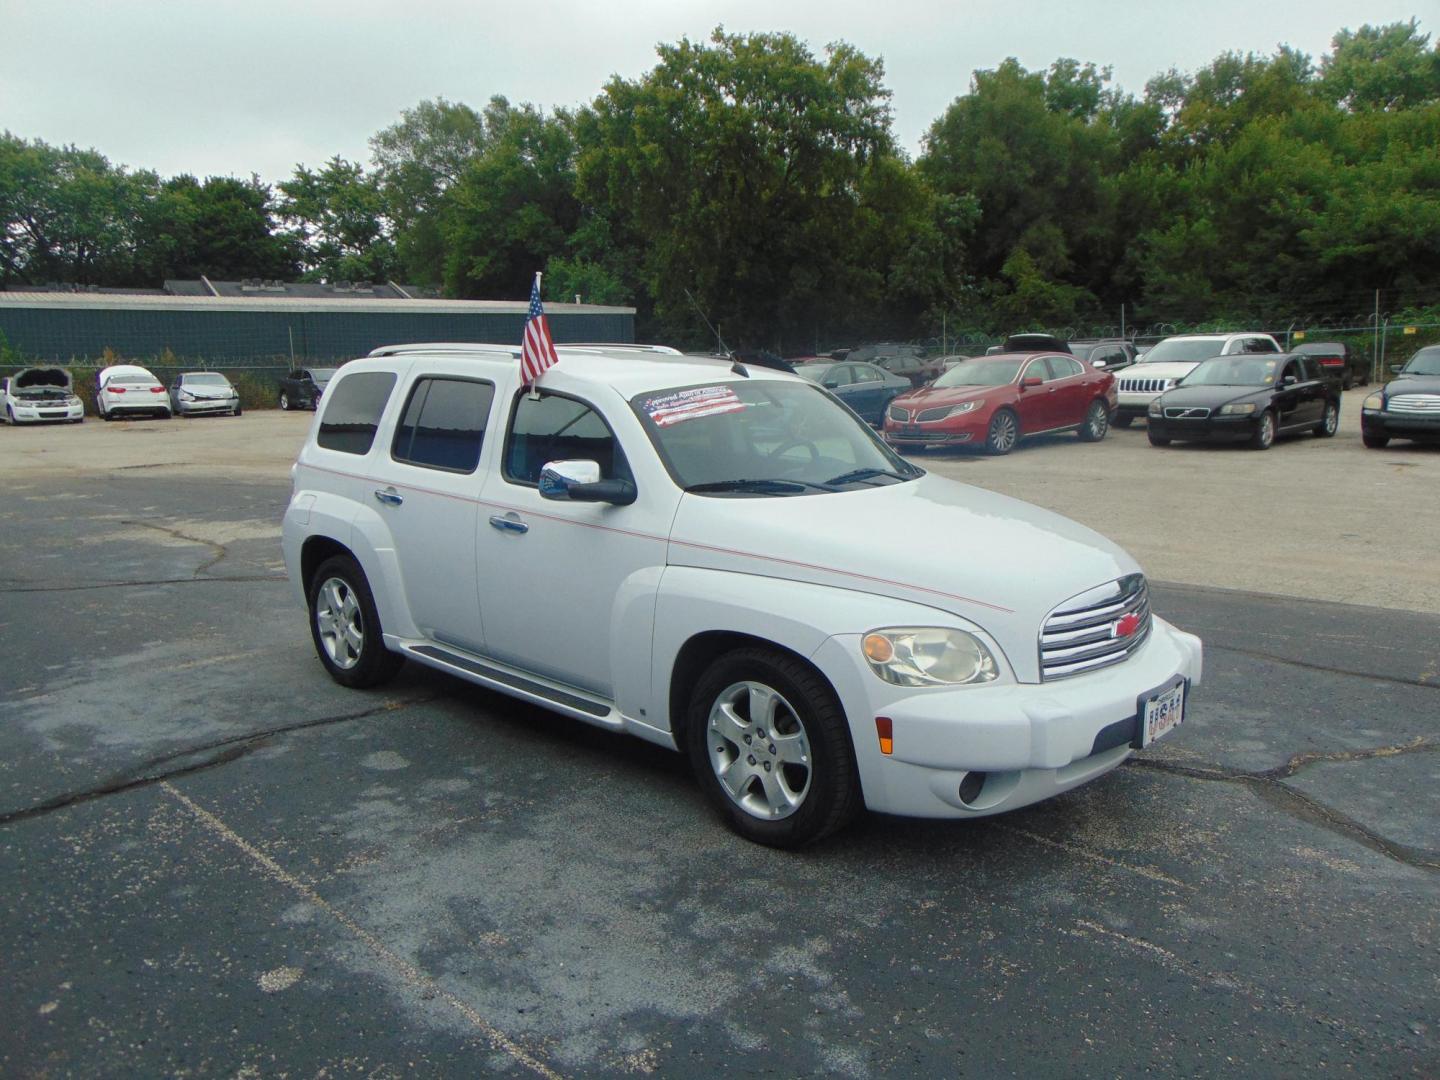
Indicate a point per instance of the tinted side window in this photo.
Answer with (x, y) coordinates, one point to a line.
(559, 428)
(866, 373)
(1038, 370)
(1063, 366)
(843, 375)
(443, 426)
(352, 411)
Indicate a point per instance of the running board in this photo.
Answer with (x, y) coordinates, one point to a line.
(562, 699)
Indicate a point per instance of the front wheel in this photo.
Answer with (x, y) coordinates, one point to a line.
(770, 746)
(284, 401)
(1003, 431)
(1264, 432)
(1375, 442)
(346, 627)
(1156, 440)
(1330, 422)
(1097, 423)
(1121, 420)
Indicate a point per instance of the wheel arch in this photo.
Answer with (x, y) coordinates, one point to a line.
(315, 551)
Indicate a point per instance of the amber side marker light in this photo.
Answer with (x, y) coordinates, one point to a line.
(885, 728)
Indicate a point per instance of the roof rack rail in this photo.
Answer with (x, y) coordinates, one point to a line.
(446, 346)
(617, 346)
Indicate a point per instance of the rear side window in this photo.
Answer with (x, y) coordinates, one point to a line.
(352, 411)
(557, 428)
(443, 426)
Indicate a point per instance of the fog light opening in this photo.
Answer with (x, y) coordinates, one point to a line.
(971, 786)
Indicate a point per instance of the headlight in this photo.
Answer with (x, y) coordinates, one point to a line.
(1375, 402)
(1242, 409)
(1154, 409)
(186, 395)
(928, 656)
(964, 407)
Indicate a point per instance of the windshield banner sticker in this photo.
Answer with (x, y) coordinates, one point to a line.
(692, 404)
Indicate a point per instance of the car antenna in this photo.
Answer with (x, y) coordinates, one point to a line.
(720, 348)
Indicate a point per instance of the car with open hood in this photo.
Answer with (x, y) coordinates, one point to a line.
(684, 550)
(38, 395)
(128, 390)
(1250, 399)
(1169, 360)
(995, 401)
(1407, 407)
(203, 393)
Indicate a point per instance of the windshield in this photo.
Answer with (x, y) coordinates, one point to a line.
(1183, 352)
(131, 380)
(322, 375)
(1234, 371)
(765, 437)
(981, 373)
(1424, 362)
(206, 378)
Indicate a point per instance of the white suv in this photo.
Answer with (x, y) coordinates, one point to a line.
(696, 553)
(1172, 359)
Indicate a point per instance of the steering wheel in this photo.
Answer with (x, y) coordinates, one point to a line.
(787, 444)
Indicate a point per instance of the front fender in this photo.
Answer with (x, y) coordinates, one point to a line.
(795, 615)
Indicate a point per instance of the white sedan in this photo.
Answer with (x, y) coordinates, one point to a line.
(129, 390)
(39, 395)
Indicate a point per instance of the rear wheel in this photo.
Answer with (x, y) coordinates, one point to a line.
(1003, 431)
(1330, 422)
(1121, 420)
(771, 748)
(346, 627)
(284, 401)
(1264, 435)
(1097, 422)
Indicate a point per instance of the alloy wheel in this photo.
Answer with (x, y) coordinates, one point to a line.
(339, 622)
(759, 750)
(1002, 433)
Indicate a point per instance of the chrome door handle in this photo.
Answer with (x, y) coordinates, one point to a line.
(389, 496)
(509, 523)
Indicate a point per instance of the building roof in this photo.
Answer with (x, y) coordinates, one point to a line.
(284, 301)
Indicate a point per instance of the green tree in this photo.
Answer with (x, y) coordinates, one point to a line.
(337, 217)
(1382, 67)
(223, 228)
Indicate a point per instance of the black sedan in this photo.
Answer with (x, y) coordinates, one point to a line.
(866, 388)
(1249, 399)
(1409, 405)
(302, 387)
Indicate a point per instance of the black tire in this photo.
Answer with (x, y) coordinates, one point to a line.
(1156, 440)
(1264, 436)
(10, 415)
(1375, 442)
(372, 664)
(806, 710)
(284, 401)
(1003, 433)
(236, 411)
(1330, 422)
(1121, 420)
(1097, 422)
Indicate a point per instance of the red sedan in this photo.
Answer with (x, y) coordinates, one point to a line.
(998, 400)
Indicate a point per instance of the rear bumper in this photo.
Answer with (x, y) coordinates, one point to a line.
(1029, 740)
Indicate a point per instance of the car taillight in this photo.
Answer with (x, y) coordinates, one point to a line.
(1332, 361)
(115, 389)
(157, 389)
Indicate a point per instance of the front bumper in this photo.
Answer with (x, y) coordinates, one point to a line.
(202, 407)
(1400, 425)
(1134, 404)
(46, 414)
(1030, 740)
(1210, 429)
(968, 427)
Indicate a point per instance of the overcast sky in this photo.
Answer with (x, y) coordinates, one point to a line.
(212, 87)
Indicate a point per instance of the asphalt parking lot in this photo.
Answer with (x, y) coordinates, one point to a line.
(214, 861)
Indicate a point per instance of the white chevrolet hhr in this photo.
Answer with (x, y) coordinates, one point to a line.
(702, 555)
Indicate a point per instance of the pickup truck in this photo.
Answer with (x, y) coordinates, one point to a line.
(694, 552)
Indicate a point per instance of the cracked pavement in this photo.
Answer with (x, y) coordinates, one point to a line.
(216, 862)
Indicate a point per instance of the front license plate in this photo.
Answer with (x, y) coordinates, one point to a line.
(1161, 713)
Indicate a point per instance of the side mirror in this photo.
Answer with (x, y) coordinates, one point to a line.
(1288, 380)
(579, 481)
(1395, 369)
(1098, 363)
(1031, 381)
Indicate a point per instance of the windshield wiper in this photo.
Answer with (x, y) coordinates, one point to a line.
(855, 475)
(764, 486)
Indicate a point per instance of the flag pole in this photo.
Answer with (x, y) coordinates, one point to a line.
(535, 384)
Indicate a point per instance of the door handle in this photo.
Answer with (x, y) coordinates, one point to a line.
(389, 496)
(509, 523)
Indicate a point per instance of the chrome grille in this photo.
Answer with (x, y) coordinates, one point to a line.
(899, 415)
(929, 415)
(1176, 412)
(1414, 403)
(1145, 386)
(1080, 634)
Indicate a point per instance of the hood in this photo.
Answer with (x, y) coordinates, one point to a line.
(1160, 370)
(1413, 384)
(998, 562)
(42, 376)
(1213, 396)
(934, 396)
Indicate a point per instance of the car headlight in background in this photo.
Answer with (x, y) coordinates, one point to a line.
(1243, 409)
(1154, 409)
(1375, 402)
(928, 656)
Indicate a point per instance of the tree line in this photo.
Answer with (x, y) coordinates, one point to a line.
(749, 183)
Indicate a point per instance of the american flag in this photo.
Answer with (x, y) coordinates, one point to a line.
(537, 350)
